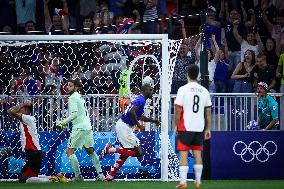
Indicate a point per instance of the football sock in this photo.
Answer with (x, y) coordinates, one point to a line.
(96, 162)
(119, 162)
(198, 171)
(112, 149)
(75, 164)
(38, 180)
(126, 152)
(183, 174)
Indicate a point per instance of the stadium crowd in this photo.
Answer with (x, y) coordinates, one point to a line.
(244, 40)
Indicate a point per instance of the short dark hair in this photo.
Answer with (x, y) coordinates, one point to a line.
(29, 22)
(76, 82)
(262, 56)
(29, 108)
(192, 71)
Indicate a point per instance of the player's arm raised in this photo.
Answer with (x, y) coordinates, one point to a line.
(14, 110)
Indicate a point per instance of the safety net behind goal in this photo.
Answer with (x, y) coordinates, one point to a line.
(112, 71)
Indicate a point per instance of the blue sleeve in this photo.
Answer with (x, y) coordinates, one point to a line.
(139, 102)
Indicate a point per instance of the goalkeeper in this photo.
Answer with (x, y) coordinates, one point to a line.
(81, 135)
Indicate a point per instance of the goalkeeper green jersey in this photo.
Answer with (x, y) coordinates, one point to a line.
(77, 104)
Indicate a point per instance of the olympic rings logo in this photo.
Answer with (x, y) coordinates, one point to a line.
(255, 150)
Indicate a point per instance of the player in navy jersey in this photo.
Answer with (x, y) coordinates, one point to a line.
(124, 130)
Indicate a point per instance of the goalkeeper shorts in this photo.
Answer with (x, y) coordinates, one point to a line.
(81, 139)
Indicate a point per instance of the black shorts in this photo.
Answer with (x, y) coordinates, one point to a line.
(188, 140)
(32, 166)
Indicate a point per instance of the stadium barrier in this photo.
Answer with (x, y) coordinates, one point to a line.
(230, 112)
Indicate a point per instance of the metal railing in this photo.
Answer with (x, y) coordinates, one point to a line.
(230, 111)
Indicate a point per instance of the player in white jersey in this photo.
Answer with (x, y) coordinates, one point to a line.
(31, 146)
(82, 134)
(193, 122)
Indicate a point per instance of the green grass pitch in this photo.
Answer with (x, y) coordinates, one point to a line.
(212, 184)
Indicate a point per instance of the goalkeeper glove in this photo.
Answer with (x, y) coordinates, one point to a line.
(61, 124)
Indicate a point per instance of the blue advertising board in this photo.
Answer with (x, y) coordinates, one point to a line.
(54, 145)
(247, 155)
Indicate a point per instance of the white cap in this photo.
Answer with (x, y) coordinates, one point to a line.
(211, 8)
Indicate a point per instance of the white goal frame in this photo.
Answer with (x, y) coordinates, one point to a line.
(165, 93)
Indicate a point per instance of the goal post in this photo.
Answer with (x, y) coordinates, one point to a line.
(167, 66)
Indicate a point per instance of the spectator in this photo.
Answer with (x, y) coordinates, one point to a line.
(150, 17)
(7, 29)
(222, 69)
(123, 81)
(262, 72)
(56, 26)
(280, 74)
(53, 72)
(25, 11)
(234, 47)
(103, 21)
(29, 27)
(182, 62)
(88, 26)
(25, 85)
(249, 42)
(276, 30)
(272, 58)
(267, 109)
(124, 88)
(213, 27)
(126, 25)
(264, 9)
(242, 74)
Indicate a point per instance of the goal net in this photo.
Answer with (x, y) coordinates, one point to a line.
(112, 69)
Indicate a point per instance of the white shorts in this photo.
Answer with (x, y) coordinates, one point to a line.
(80, 139)
(125, 135)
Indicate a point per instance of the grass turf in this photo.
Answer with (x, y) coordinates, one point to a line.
(212, 184)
